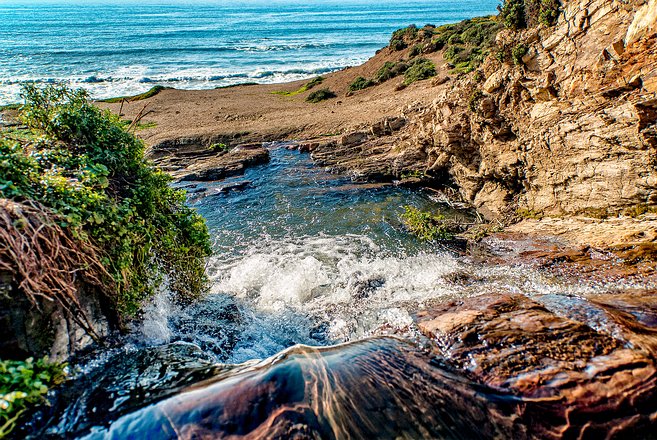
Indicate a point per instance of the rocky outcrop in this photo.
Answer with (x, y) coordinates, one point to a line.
(48, 329)
(589, 365)
(198, 163)
(572, 128)
(55, 295)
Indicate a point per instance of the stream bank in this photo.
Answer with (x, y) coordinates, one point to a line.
(494, 336)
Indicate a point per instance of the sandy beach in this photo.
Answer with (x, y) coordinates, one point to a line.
(253, 113)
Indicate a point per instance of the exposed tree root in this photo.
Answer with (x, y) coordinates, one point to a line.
(46, 261)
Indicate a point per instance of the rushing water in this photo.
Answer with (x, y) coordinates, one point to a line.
(303, 257)
(124, 47)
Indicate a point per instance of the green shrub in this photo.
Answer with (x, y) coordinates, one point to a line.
(518, 52)
(397, 45)
(467, 43)
(500, 55)
(519, 14)
(529, 214)
(314, 82)
(10, 107)
(360, 83)
(513, 14)
(475, 98)
(452, 52)
(549, 12)
(390, 70)
(420, 68)
(320, 95)
(401, 37)
(91, 173)
(220, 147)
(24, 384)
(415, 50)
(424, 225)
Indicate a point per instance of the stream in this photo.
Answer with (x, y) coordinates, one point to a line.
(308, 329)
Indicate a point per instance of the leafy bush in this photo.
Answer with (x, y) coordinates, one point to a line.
(24, 384)
(91, 173)
(467, 43)
(390, 70)
(519, 14)
(513, 14)
(401, 37)
(360, 83)
(415, 50)
(549, 12)
(320, 95)
(420, 68)
(424, 225)
(452, 52)
(220, 147)
(517, 53)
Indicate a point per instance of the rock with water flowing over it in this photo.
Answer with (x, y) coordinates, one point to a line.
(379, 388)
(587, 364)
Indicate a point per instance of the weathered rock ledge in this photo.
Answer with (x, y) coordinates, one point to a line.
(588, 364)
(198, 163)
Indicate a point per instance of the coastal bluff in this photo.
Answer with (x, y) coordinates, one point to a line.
(566, 129)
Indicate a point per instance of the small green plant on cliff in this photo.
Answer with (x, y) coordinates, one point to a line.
(320, 95)
(549, 12)
(420, 68)
(512, 13)
(90, 173)
(467, 43)
(517, 53)
(519, 14)
(639, 210)
(360, 83)
(475, 99)
(220, 147)
(390, 70)
(531, 214)
(24, 384)
(415, 50)
(425, 225)
(401, 37)
(10, 107)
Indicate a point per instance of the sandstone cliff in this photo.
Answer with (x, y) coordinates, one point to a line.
(569, 129)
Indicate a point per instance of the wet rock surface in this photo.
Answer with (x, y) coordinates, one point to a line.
(360, 390)
(588, 364)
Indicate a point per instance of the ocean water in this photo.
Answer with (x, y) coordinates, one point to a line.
(123, 47)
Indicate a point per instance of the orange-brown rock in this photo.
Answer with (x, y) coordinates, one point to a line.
(587, 365)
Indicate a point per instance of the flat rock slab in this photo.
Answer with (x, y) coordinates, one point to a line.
(588, 379)
(223, 165)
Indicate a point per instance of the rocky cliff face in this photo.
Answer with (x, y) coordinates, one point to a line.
(569, 129)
